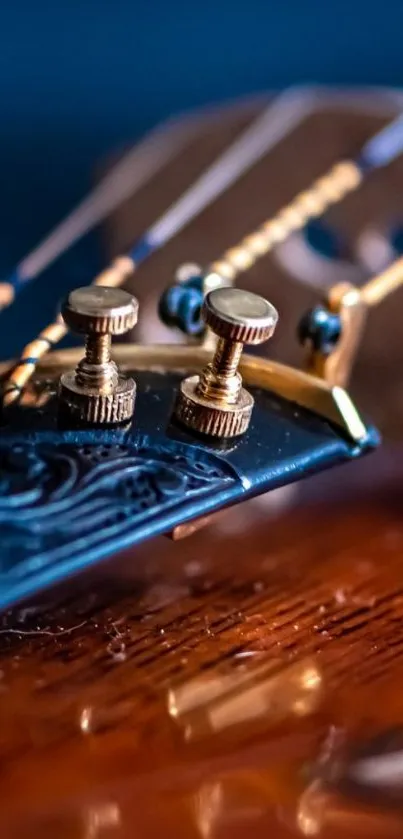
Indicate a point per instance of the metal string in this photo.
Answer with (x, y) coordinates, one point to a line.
(125, 179)
(145, 159)
(266, 131)
(286, 112)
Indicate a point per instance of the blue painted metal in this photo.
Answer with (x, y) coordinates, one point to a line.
(69, 498)
(180, 305)
(321, 327)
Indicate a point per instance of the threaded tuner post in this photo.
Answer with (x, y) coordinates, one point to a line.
(215, 403)
(96, 392)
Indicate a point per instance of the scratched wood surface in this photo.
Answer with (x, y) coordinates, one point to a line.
(87, 744)
(92, 743)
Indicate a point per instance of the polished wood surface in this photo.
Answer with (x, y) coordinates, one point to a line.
(227, 685)
(88, 746)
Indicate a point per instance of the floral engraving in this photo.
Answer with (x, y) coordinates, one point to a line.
(57, 500)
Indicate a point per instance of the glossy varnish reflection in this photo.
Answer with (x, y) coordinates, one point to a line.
(90, 744)
(86, 676)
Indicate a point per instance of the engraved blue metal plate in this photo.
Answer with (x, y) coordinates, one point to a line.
(71, 498)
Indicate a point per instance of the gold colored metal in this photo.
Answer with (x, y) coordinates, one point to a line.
(351, 304)
(96, 392)
(342, 179)
(346, 301)
(206, 417)
(215, 403)
(188, 528)
(306, 391)
(211, 281)
(31, 354)
(115, 275)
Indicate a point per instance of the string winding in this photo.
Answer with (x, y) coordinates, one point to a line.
(342, 179)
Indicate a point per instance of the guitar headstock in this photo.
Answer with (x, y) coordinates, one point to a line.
(227, 682)
(98, 455)
(73, 492)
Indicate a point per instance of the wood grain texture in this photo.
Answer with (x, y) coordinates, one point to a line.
(85, 677)
(88, 747)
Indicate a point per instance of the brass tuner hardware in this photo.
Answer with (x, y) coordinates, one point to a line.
(332, 332)
(96, 392)
(215, 403)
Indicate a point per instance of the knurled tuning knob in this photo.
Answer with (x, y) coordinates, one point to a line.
(97, 392)
(215, 403)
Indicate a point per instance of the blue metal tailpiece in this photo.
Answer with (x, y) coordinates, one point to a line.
(69, 498)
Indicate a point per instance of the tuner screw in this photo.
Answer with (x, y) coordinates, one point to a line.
(215, 403)
(96, 392)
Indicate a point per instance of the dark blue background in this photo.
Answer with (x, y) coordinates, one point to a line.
(78, 77)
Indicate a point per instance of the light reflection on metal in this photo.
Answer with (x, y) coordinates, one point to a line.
(311, 392)
(188, 528)
(216, 403)
(352, 304)
(265, 694)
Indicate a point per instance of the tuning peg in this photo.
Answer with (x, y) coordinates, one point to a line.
(96, 392)
(215, 403)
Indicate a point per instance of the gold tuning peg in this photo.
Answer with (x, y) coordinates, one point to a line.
(215, 403)
(96, 392)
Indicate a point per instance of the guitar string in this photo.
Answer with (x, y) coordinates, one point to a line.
(343, 178)
(271, 126)
(149, 156)
(132, 172)
(385, 283)
(126, 178)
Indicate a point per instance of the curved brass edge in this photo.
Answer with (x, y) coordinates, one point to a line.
(345, 300)
(328, 401)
